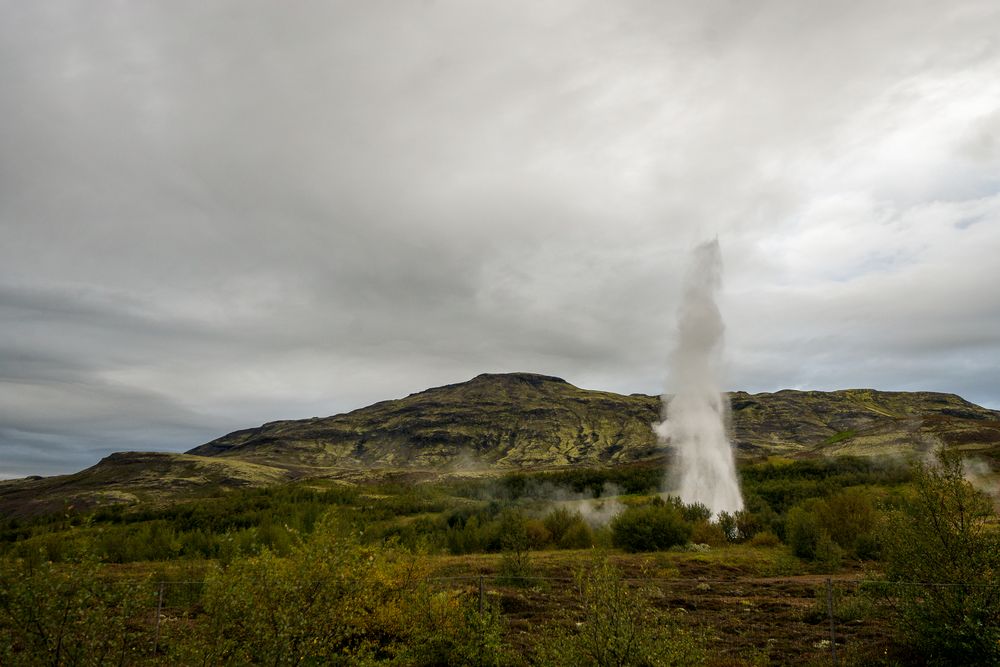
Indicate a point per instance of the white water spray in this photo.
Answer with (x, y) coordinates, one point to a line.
(696, 418)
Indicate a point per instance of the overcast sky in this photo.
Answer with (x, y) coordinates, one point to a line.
(215, 214)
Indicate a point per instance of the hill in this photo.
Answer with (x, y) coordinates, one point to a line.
(510, 420)
(500, 422)
(526, 420)
(134, 477)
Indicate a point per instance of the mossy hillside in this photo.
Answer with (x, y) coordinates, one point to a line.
(858, 422)
(513, 420)
(525, 420)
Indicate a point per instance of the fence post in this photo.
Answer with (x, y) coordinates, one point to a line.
(829, 610)
(482, 596)
(159, 608)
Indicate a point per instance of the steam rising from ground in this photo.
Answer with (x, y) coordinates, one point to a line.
(697, 416)
(983, 478)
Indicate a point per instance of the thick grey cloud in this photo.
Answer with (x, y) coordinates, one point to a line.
(218, 214)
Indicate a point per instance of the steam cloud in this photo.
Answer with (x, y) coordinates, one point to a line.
(697, 416)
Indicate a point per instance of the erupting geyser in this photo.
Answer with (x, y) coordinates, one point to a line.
(695, 419)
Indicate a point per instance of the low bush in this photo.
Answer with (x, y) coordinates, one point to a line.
(802, 532)
(450, 630)
(515, 560)
(568, 529)
(708, 533)
(559, 520)
(652, 527)
(946, 539)
(828, 529)
(849, 517)
(579, 536)
(336, 601)
(616, 626)
(69, 615)
(765, 539)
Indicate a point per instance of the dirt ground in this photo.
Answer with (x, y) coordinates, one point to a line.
(753, 605)
(748, 615)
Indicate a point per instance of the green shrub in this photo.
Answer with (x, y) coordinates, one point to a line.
(802, 532)
(946, 540)
(727, 524)
(617, 626)
(332, 600)
(711, 534)
(577, 536)
(560, 520)
(568, 529)
(826, 530)
(538, 536)
(515, 560)
(651, 527)
(448, 629)
(849, 517)
(336, 601)
(868, 547)
(765, 539)
(748, 524)
(828, 555)
(695, 512)
(785, 485)
(478, 533)
(69, 615)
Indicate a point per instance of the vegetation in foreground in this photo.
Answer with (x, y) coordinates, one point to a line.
(307, 574)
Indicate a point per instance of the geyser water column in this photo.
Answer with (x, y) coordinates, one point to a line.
(696, 417)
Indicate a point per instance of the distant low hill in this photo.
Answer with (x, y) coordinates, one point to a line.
(498, 422)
